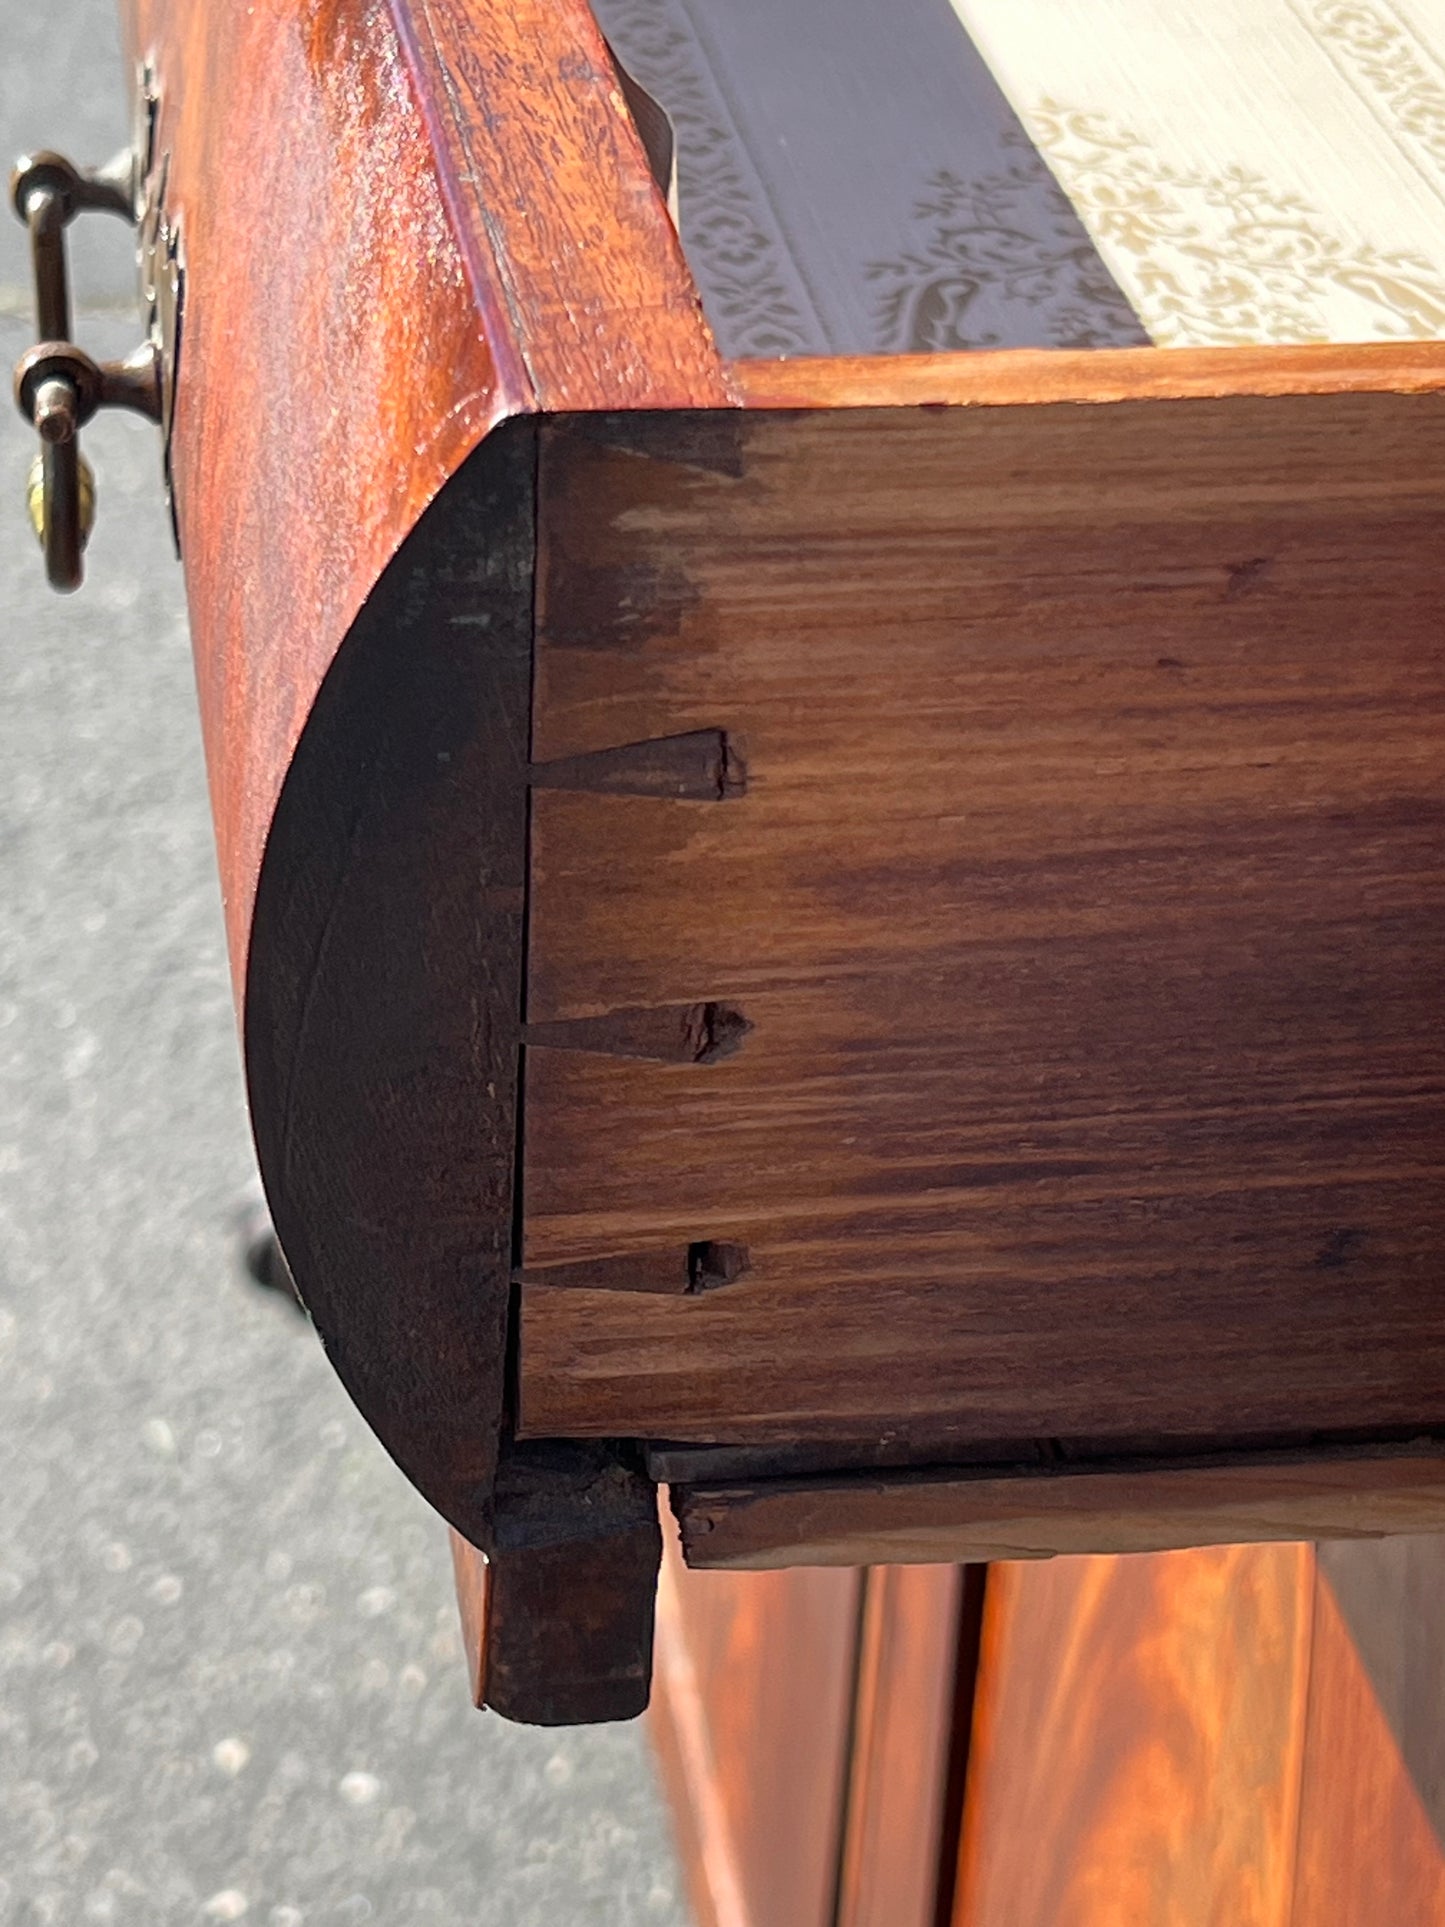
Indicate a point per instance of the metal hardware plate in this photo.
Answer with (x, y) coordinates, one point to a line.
(57, 385)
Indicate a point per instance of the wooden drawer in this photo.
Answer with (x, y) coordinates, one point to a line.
(857, 936)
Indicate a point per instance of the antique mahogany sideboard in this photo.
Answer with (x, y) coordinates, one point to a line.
(833, 869)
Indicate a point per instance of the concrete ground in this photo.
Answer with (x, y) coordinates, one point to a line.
(231, 1682)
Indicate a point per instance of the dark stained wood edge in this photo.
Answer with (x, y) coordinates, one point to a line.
(685, 1271)
(942, 1517)
(383, 1000)
(1008, 377)
(563, 1626)
(703, 1033)
(678, 1462)
(935, 1449)
(663, 1271)
(700, 766)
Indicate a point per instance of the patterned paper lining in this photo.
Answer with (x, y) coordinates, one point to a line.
(852, 181)
(930, 175)
(1276, 175)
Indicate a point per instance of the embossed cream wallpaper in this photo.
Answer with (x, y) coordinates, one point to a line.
(1250, 171)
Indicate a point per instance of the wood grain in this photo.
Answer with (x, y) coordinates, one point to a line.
(1085, 900)
(1012, 376)
(924, 1518)
(482, 236)
(404, 226)
(903, 1734)
(571, 1583)
(1080, 870)
(1244, 1735)
(557, 1619)
(555, 206)
(752, 1714)
(1137, 1742)
(384, 396)
(381, 1024)
(678, 1717)
(696, 766)
(683, 1034)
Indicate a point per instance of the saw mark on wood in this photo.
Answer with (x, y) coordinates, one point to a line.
(700, 766)
(702, 1266)
(669, 1034)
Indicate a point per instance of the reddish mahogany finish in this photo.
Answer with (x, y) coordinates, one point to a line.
(407, 230)
(413, 231)
(374, 279)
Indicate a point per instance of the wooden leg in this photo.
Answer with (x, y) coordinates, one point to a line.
(557, 1617)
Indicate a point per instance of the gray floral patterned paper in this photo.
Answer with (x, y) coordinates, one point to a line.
(853, 181)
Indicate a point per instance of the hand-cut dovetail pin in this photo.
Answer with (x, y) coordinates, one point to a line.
(701, 766)
(669, 1034)
(705, 1265)
(713, 1263)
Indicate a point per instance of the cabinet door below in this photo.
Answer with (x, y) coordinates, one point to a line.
(1245, 1736)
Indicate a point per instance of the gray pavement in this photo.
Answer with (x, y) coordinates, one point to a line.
(231, 1683)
